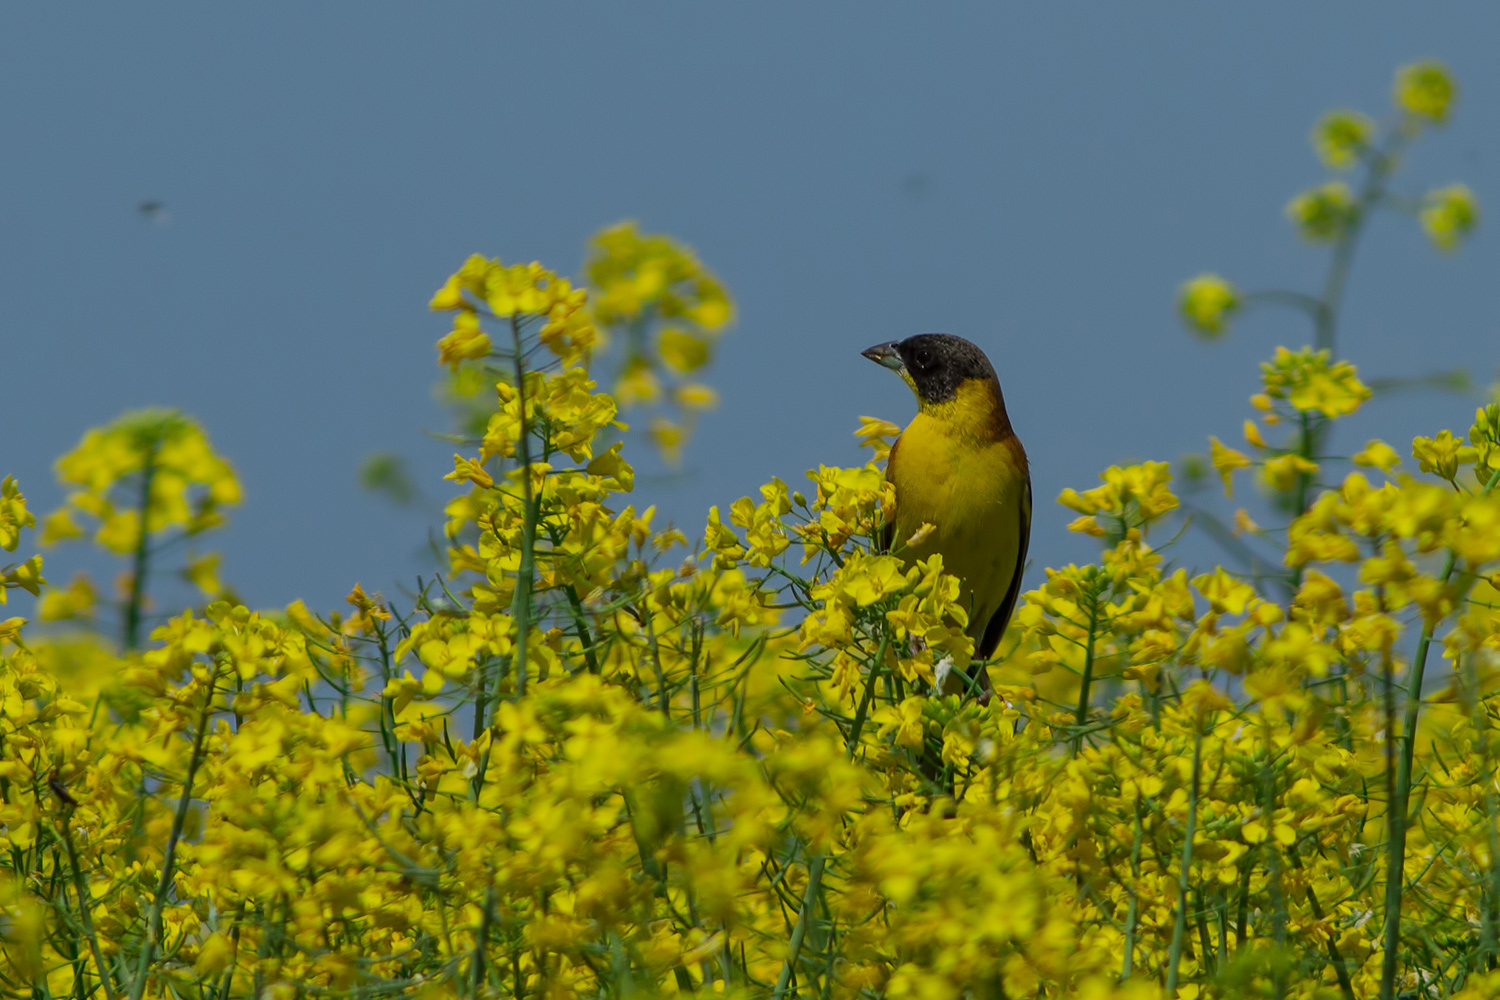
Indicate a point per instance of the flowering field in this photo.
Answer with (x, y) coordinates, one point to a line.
(594, 756)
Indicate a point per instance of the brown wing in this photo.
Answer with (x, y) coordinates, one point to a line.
(995, 630)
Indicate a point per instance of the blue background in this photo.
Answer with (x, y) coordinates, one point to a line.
(1038, 178)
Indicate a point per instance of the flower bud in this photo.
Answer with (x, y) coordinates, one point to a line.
(1426, 90)
(1206, 303)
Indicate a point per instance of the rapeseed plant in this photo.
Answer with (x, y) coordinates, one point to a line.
(595, 757)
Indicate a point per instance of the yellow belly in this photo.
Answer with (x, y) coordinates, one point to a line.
(973, 492)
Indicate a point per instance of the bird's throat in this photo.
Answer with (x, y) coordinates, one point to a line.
(976, 412)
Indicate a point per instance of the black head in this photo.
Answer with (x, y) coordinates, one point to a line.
(935, 364)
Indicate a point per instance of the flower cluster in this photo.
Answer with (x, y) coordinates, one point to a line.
(1335, 211)
(668, 311)
(596, 757)
(647, 307)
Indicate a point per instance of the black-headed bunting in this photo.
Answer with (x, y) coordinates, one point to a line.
(960, 467)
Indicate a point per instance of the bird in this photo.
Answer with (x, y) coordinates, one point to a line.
(960, 467)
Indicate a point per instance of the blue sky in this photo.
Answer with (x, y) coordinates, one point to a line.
(1037, 178)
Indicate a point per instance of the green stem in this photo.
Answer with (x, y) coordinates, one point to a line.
(1127, 966)
(85, 907)
(584, 635)
(799, 932)
(1400, 798)
(1370, 194)
(1179, 929)
(142, 553)
(1082, 712)
(169, 858)
(1340, 967)
(477, 971)
(865, 699)
(1488, 944)
(520, 610)
(1279, 916)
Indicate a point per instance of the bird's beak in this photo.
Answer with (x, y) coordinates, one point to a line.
(885, 355)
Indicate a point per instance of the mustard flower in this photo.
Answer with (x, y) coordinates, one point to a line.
(1425, 90)
(1449, 215)
(1206, 304)
(1323, 214)
(1309, 382)
(13, 514)
(1341, 137)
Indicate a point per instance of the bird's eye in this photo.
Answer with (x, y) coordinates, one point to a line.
(923, 359)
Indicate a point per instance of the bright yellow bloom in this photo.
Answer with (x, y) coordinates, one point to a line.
(190, 483)
(1378, 454)
(467, 342)
(1225, 461)
(695, 396)
(13, 514)
(466, 470)
(1308, 381)
(1282, 473)
(682, 351)
(1442, 455)
(77, 600)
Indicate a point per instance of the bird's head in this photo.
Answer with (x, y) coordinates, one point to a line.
(933, 364)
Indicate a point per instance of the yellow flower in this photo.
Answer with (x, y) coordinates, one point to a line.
(1226, 460)
(1484, 435)
(190, 483)
(1341, 137)
(203, 572)
(668, 437)
(873, 429)
(467, 470)
(1224, 592)
(467, 342)
(1425, 89)
(1378, 454)
(1086, 526)
(1203, 699)
(682, 351)
(13, 514)
(1449, 214)
(27, 576)
(1282, 473)
(1206, 303)
(904, 722)
(60, 526)
(1308, 381)
(1323, 213)
(1442, 455)
(633, 273)
(75, 601)
(637, 385)
(611, 465)
(696, 396)
(1138, 490)
(10, 630)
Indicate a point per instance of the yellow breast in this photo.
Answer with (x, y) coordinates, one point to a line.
(955, 467)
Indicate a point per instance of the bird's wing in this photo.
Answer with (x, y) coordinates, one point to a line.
(995, 630)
